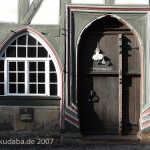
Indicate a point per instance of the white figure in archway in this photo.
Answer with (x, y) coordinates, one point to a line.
(98, 56)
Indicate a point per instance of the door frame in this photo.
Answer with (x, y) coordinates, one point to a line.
(71, 43)
(120, 87)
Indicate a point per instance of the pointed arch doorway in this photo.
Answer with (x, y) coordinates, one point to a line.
(109, 78)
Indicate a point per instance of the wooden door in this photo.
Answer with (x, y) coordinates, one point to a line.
(102, 115)
(130, 85)
(104, 107)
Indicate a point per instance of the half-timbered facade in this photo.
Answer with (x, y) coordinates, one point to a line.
(75, 65)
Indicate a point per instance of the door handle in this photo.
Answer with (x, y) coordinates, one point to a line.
(93, 97)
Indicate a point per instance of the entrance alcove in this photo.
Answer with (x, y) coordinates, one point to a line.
(114, 106)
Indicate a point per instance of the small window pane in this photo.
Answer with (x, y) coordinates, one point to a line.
(1, 77)
(41, 88)
(32, 66)
(53, 89)
(21, 88)
(12, 66)
(21, 77)
(31, 40)
(32, 88)
(39, 43)
(1, 89)
(41, 77)
(41, 66)
(52, 67)
(32, 77)
(21, 66)
(12, 77)
(22, 40)
(31, 51)
(1, 65)
(21, 51)
(42, 52)
(11, 52)
(53, 77)
(3, 55)
(12, 88)
(13, 43)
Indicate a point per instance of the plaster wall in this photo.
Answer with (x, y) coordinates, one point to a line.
(50, 22)
(48, 13)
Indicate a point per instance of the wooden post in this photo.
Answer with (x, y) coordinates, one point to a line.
(109, 2)
(23, 9)
(120, 83)
(27, 13)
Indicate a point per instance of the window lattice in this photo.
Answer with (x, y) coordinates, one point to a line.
(26, 68)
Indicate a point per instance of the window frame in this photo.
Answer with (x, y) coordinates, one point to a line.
(26, 61)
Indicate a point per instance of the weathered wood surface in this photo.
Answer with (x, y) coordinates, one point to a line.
(27, 13)
(103, 117)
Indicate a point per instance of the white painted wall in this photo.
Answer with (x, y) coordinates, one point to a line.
(8, 13)
(132, 2)
(87, 1)
(31, 2)
(48, 13)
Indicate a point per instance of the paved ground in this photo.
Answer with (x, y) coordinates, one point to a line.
(79, 147)
(105, 147)
(77, 142)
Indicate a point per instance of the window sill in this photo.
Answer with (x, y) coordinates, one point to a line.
(30, 100)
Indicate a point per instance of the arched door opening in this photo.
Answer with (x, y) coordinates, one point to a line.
(109, 78)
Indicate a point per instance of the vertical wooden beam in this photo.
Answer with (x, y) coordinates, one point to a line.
(109, 2)
(120, 83)
(27, 13)
(23, 8)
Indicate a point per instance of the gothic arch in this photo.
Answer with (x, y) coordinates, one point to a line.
(48, 46)
(135, 34)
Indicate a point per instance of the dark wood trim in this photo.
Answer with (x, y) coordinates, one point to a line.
(132, 74)
(103, 73)
(111, 31)
(30, 100)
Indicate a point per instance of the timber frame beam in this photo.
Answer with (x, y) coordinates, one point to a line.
(27, 12)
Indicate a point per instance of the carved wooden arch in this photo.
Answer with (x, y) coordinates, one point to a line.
(53, 54)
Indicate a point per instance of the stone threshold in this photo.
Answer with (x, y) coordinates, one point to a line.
(60, 138)
(77, 138)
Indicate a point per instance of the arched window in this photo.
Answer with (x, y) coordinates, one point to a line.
(27, 68)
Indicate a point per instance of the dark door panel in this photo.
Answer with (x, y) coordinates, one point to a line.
(109, 88)
(131, 85)
(102, 116)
